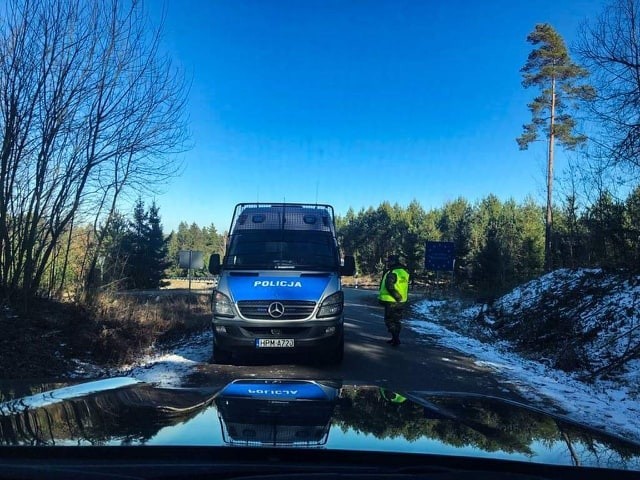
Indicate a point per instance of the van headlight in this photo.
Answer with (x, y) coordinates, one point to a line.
(332, 305)
(222, 305)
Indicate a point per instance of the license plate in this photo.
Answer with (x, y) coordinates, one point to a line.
(274, 342)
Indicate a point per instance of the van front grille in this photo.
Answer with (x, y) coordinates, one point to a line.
(293, 309)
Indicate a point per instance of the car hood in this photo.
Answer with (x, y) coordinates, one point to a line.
(307, 414)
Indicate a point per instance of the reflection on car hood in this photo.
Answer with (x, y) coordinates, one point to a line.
(307, 414)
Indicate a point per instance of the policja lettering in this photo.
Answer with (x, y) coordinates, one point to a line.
(273, 392)
(277, 283)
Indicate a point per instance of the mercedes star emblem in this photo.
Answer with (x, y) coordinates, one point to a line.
(276, 310)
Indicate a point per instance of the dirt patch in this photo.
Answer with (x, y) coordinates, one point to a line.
(50, 338)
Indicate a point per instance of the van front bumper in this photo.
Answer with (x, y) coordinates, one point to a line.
(238, 336)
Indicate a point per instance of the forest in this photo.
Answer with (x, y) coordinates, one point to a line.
(498, 244)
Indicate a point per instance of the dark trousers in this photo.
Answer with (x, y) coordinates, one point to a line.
(393, 317)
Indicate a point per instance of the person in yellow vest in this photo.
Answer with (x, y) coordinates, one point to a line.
(394, 291)
(392, 397)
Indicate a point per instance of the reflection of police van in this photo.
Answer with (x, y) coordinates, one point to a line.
(279, 287)
(277, 413)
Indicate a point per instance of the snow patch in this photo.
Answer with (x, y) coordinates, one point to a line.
(612, 404)
(170, 369)
(597, 313)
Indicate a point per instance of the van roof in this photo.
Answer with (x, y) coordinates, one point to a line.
(286, 216)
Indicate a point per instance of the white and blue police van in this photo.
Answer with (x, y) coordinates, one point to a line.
(279, 287)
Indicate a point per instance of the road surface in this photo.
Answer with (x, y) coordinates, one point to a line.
(418, 364)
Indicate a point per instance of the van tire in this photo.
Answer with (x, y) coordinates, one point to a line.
(221, 356)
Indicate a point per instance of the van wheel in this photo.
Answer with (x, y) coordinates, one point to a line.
(221, 356)
(335, 356)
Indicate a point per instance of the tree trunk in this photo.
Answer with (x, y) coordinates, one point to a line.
(65, 264)
(548, 234)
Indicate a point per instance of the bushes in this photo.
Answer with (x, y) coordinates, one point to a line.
(49, 338)
(125, 325)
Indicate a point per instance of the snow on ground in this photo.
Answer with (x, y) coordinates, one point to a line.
(601, 309)
(170, 368)
(608, 405)
(527, 295)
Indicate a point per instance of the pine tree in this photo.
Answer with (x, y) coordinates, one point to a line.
(157, 249)
(147, 248)
(632, 228)
(116, 248)
(455, 223)
(550, 69)
(138, 237)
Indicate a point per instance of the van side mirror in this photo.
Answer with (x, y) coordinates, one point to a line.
(349, 266)
(214, 263)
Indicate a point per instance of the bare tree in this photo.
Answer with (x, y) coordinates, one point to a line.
(610, 49)
(89, 110)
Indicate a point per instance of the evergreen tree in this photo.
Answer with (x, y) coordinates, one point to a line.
(605, 221)
(632, 228)
(415, 228)
(213, 243)
(157, 249)
(531, 260)
(138, 266)
(570, 238)
(146, 247)
(489, 271)
(487, 250)
(177, 240)
(550, 69)
(455, 225)
(193, 237)
(114, 257)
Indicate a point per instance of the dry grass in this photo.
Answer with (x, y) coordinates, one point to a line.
(42, 341)
(128, 324)
(196, 285)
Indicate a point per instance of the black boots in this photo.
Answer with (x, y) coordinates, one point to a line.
(394, 340)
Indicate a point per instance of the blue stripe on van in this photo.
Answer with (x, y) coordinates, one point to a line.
(277, 288)
(275, 391)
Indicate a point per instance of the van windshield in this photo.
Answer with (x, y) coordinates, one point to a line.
(283, 249)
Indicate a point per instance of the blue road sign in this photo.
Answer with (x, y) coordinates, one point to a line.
(439, 256)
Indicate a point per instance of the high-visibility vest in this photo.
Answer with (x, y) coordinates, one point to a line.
(392, 397)
(402, 286)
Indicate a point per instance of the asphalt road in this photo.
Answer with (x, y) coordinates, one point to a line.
(418, 364)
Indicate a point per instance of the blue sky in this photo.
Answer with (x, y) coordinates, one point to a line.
(354, 102)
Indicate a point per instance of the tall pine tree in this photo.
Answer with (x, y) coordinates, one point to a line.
(157, 248)
(148, 249)
(550, 69)
(138, 234)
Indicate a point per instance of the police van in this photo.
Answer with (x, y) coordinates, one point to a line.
(279, 287)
